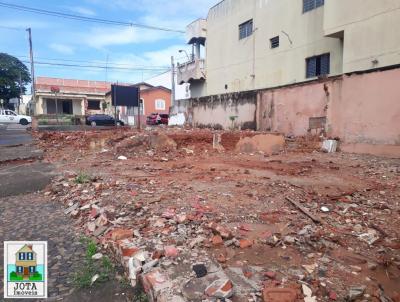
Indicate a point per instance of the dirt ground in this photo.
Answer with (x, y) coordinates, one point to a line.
(350, 251)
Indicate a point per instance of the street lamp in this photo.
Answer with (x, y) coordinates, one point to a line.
(182, 50)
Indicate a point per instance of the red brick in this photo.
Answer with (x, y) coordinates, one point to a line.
(280, 295)
(244, 243)
(119, 234)
(171, 252)
(217, 240)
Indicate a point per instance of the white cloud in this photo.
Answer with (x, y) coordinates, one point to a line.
(62, 48)
(82, 10)
(100, 37)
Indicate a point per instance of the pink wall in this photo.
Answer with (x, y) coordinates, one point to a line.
(366, 108)
(288, 110)
(362, 110)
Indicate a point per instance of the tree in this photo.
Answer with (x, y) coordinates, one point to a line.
(12, 71)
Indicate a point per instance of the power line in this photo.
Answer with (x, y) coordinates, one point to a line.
(100, 67)
(85, 19)
(94, 62)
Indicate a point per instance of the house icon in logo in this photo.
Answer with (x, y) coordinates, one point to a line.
(26, 263)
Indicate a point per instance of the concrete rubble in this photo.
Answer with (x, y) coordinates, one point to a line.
(197, 217)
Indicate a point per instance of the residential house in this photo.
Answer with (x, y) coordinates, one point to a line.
(26, 262)
(69, 97)
(153, 99)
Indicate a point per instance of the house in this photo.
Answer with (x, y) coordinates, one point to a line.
(153, 99)
(252, 44)
(68, 96)
(26, 262)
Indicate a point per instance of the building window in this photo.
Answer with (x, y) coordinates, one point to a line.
(160, 104)
(30, 256)
(20, 269)
(245, 29)
(21, 256)
(93, 105)
(32, 269)
(318, 65)
(312, 4)
(274, 42)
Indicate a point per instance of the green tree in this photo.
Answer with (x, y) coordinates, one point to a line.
(11, 71)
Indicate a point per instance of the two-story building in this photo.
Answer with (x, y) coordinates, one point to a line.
(258, 44)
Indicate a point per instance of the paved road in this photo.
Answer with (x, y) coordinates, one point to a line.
(35, 217)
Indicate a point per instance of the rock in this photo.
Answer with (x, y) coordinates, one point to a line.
(221, 258)
(222, 289)
(101, 220)
(171, 252)
(196, 241)
(200, 270)
(273, 294)
(308, 294)
(270, 275)
(358, 228)
(217, 240)
(97, 256)
(71, 208)
(94, 278)
(325, 209)
(122, 157)
(310, 268)
(119, 234)
(155, 282)
(245, 243)
(355, 293)
(333, 296)
(289, 239)
(370, 237)
(99, 231)
(91, 226)
(149, 265)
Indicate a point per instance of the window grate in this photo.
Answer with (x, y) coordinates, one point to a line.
(318, 65)
(245, 29)
(274, 42)
(309, 5)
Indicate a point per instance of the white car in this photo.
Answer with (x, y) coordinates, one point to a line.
(10, 117)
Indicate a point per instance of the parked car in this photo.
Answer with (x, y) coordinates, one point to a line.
(10, 117)
(102, 120)
(157, 119)
(164, 118)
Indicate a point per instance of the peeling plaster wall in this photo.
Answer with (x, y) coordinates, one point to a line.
(365, 108)
(216, 111)
(288, 110)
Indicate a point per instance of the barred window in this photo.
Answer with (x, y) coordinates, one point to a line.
(312, 4)
(245, 29)
(318, 65)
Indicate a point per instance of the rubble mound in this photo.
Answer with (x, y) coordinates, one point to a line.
(267, 143)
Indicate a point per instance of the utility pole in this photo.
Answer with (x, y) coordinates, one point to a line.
(33, 87)
(173, 81)
(20, 91)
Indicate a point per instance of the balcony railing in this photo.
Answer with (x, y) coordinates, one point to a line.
(191, 71)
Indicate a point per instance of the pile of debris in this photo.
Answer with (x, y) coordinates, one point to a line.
(192, 223)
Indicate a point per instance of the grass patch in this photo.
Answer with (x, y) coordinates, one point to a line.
(83, 178)
(103, 267)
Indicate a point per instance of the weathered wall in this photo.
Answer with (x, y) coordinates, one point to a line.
(218, 111)
(365, 108)
(288, 110)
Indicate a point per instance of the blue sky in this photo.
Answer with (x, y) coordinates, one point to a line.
(77, 42)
